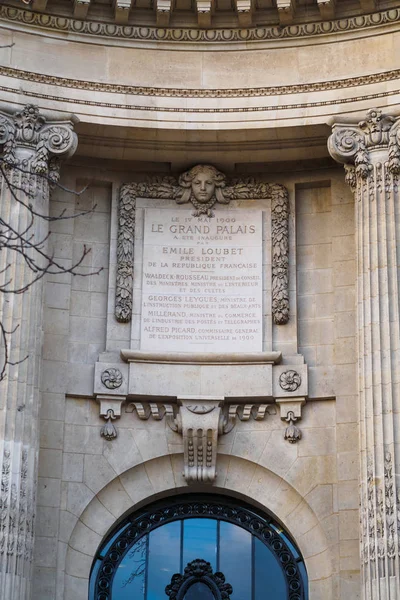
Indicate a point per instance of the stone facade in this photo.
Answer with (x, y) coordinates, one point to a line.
(204, 125)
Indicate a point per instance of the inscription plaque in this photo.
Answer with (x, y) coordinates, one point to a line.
(202, 282)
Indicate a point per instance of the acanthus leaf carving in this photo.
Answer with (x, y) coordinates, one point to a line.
(204, 186)
(46, 142)
(352, 145)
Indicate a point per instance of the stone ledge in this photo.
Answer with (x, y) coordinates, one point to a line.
(201, 358)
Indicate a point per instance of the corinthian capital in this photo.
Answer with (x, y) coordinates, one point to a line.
(353, 144)
(27, 136)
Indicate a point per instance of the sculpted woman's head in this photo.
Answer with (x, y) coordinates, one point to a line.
(202, 186)
(203, 181)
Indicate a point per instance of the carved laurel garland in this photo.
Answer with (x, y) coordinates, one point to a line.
(16, 511)
(380, 519)
(168, 188)
(181, 34)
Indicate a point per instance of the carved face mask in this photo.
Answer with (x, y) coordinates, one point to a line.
(203, 187)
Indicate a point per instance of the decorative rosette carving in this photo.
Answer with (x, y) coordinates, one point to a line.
(290, 381)
(112, 378)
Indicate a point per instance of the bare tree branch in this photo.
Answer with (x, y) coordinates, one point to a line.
(23, 243)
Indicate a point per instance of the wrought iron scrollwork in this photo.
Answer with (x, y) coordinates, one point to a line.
(143, 522)
(198, 571)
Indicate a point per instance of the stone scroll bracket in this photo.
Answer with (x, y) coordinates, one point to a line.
(110, 389)
(290, 410)
(290, 387)
(200, 419)
(221, 191)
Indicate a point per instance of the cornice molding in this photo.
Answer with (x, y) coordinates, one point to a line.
(191, 35)
(136, 90)
(188, 110)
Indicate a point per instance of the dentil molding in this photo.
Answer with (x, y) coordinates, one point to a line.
(268, 33)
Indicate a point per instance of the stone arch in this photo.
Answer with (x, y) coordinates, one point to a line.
(303, 517)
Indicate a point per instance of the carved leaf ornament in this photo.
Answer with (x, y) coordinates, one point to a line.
(216, 190)
(49, 142)
(351, 145)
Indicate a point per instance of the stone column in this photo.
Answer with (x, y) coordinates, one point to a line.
(370, 152)
(32, 149)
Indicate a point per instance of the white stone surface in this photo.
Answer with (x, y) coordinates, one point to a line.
(202, 281)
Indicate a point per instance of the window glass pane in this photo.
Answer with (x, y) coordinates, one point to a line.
(235, 559)
(129, 580)
(199, 591)
(200, 541)
(269, 578)
(164, 559)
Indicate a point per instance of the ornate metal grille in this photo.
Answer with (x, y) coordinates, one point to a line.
(141, 523)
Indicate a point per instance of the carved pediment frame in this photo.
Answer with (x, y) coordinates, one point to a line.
(204, 187)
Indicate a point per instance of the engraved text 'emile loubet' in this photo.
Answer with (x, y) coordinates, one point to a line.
(197, 297)
(213, 244)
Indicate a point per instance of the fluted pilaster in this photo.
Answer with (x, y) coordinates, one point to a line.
(370, 152)
(32, 149)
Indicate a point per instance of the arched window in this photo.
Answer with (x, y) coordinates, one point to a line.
(202, 548)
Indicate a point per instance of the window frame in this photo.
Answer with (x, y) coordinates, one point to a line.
(141, 522)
